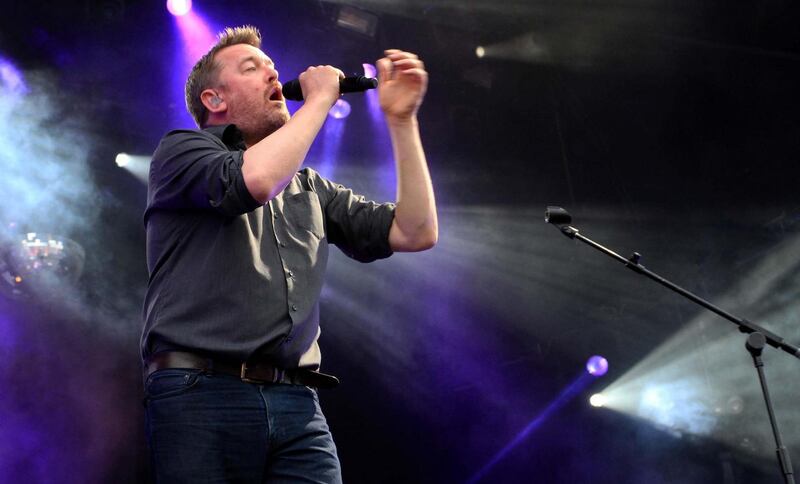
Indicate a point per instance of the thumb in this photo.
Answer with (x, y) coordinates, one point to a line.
(384, 70)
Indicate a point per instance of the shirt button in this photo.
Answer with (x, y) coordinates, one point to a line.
(282, 244)
(274, 215)
(291, 274)
(294, 307)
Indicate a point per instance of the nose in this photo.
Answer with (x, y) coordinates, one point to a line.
(272, 75)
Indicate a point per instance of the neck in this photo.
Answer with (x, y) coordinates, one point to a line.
(251, 140)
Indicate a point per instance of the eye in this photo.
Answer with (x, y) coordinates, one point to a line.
(251, 68)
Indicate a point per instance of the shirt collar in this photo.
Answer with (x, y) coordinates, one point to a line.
(229, 134)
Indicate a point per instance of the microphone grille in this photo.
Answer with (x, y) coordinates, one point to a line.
(557, 216)
(292, 91)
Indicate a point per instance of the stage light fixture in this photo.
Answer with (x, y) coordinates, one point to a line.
(598, 400)
(39, 262)
(357, 20)
(122, 160)
(480, 51)
(179, 8)
(597, 366)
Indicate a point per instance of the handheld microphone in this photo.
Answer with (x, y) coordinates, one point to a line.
(561, 219)
(557, 216)
(293, 92)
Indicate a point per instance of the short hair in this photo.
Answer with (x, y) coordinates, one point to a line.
(204, 73)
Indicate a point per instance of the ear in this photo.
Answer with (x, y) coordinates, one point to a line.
(212, 101)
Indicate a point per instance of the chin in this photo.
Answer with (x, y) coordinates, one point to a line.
(277, 120)
(285, 116)
(272, 123)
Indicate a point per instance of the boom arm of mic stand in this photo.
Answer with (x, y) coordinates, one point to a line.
(633, 264)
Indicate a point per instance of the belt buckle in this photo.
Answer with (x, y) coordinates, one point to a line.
(243, 375)
(277, 375)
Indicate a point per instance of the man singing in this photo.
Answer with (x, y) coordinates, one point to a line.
(237, 244)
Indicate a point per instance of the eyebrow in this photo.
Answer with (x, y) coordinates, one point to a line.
(256, 60)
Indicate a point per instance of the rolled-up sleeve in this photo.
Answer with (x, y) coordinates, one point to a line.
(193, 170)
(360, 228)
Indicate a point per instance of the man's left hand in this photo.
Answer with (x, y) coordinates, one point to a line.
(402, 82)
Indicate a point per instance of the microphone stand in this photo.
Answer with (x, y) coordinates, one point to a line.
(757, 339)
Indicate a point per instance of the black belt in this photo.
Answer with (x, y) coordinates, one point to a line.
(259, 373)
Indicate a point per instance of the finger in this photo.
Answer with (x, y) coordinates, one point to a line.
(397, 53)
(408, 64)
(419, 74)
(384, 70)
(399, 57)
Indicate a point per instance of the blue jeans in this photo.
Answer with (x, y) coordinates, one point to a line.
(216, 428)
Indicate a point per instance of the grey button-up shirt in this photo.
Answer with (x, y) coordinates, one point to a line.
(231, 278)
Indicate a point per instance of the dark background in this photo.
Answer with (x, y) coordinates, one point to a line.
(669, 128)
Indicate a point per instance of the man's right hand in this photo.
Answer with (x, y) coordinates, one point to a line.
(321, 83)
(270, 164)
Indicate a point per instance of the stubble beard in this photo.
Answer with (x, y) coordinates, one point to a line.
(260, 125)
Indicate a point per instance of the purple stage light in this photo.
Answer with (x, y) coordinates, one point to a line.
(370, 70)
(566, 395)
(340, 110)
(179, 8)
(197, 38)
(194, 38)
(597, 365)
(328, 151)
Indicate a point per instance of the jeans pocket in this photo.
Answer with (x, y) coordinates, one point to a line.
(170, 382)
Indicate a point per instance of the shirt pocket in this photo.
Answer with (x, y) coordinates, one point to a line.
(303, 213)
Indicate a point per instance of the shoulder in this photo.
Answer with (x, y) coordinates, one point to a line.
(185, 144)
(188, 138)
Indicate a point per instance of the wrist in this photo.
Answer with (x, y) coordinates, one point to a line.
(402, 121)
(320, 101)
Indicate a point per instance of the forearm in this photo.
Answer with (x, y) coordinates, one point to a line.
(415, 225)
(271, 163)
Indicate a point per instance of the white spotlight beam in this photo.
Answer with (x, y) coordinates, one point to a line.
(702, 380)
(136, 165)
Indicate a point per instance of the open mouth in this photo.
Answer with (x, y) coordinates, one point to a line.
(276, 95)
